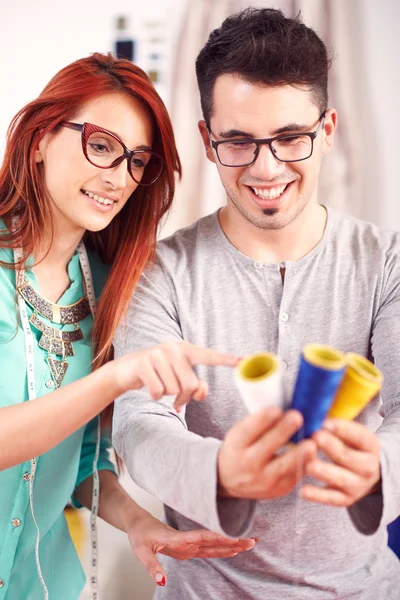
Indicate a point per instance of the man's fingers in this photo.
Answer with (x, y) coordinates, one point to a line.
(290, 465)
(149, 561)
(247, 431)
(272, 439)
(358, 461)
(353, 434)
(332, 475)
(325, 496)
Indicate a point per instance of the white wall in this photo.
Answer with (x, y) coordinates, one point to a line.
(39, 38)
(380, 28)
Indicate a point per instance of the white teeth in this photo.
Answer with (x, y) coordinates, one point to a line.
(99, 199)
(269, 194)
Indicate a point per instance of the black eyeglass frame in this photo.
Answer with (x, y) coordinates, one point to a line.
(259, 142)
(86, 130)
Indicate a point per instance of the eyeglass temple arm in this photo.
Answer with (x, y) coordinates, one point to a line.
(70, 125)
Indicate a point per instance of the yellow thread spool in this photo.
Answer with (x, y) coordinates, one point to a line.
(361, 382)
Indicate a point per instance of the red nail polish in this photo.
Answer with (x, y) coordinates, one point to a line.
(162, 582)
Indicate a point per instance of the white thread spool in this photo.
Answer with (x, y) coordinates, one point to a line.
(260, 382)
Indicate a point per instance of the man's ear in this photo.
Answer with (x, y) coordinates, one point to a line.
(330, 124)
(206, 140)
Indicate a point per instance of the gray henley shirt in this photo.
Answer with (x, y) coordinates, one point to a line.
(345, 293)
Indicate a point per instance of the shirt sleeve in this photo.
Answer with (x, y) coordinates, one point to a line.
(381, 509)
(177, 466)
(88, 450)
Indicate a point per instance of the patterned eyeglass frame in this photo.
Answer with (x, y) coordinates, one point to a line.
(87, 129)
(259, 142)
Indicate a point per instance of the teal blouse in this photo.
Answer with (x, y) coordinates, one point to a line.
(59, 471)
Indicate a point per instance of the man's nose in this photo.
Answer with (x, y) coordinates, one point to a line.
(266, 165)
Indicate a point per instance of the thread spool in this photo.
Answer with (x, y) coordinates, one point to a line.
(361, 382)
(259, 381)
(321, 371)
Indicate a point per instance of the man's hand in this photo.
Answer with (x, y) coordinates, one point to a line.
(355, 472)
(248, 466)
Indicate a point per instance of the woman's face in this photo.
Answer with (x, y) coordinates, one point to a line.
(84, 196)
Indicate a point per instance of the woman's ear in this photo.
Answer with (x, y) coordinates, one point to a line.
(41, 149)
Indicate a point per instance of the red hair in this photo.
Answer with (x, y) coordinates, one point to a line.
(128, 242)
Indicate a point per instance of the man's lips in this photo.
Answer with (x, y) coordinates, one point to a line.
(271, 195)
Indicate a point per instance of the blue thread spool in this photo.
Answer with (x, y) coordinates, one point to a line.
(321, 371)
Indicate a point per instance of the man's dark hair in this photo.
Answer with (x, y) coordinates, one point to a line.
(264, 47)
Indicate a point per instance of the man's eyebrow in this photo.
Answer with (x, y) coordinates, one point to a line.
(292, 128)
(232, 133)
(289, 128)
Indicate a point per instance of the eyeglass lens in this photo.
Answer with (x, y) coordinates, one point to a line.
(103, 150)
(241, 152)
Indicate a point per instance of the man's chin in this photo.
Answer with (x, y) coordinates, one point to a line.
(270, 212)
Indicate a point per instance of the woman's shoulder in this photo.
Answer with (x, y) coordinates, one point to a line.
(6, 256)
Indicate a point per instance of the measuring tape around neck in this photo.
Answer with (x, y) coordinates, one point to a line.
(29, 344)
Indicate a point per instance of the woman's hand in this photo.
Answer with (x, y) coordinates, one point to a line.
(148, 536)
(168, 369)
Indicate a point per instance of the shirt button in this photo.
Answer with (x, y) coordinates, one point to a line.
(2, 583)
(26, 476)
(284, 365)
(258, 265)
(284, 317)
(16, 522)
(50, 383)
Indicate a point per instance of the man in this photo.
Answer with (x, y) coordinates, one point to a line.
(274, 269)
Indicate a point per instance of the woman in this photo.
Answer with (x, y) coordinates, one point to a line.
(89, 164)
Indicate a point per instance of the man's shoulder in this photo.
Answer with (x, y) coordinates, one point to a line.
(189, 241)
(365, 235)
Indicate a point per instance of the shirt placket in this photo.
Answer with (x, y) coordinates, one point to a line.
(285, 328)
(274, 288)
(15, 528)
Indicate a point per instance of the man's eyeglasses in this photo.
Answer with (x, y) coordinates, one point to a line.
(243, 152)
(105, 150)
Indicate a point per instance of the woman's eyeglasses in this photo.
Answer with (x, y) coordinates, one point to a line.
(105, 150)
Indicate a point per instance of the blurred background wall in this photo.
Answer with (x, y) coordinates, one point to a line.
(359, 176)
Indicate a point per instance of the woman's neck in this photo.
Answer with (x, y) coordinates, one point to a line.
(51, 259)
(56, 253)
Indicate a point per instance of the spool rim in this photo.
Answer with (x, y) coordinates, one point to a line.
(325, 357)
(272, 366)
(364, 367)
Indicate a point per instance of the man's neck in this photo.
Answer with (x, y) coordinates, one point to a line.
(275, 245)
